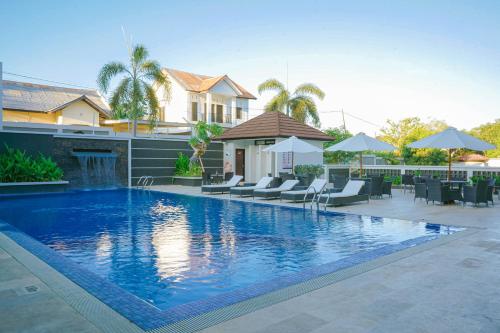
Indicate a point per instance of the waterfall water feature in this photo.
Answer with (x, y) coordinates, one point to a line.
(98, 168)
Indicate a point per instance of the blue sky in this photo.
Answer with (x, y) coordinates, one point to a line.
(375, 59)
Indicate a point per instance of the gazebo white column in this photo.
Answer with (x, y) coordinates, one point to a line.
(209, 107)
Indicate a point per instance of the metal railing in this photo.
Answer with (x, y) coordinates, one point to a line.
(458, 171)
(145, 182)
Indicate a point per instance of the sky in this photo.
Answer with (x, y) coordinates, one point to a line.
(376, 60)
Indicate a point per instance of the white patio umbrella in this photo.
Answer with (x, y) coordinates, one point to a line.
(360, 143)
(451, 139)
(293, 145)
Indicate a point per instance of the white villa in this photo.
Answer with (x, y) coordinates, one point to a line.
(197, 97)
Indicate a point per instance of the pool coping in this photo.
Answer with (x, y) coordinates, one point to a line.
(197, 315)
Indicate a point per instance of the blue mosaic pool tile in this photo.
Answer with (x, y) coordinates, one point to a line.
(149, 317)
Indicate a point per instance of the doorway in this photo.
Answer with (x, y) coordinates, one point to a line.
(240, 162)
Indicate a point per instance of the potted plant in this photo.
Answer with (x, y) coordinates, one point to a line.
(308, 172)
(187, 172)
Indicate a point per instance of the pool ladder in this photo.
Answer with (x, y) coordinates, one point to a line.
(145, 181)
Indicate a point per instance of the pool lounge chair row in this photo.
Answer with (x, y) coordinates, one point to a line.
(352, 192)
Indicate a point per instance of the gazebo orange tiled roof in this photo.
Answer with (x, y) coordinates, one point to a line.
(273, 125)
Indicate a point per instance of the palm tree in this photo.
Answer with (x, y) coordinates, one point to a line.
(135, 96)
(202, 136)
(301, 103)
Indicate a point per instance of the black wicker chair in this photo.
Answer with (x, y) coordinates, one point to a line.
(437, 191)
(420, 191)
(339, 182)
(228, 175)
(476, 194)
(491, 190)
(377, 185)
(407, 180)
(387, 188)
(206, 180)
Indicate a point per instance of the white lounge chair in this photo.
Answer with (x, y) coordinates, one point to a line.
(248, 190)
(275, 192)
(221, 188)
(310, 193)
(350, 194)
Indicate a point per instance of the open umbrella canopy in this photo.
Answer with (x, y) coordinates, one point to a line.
(361, 142)
(451, 138)
(293, 145)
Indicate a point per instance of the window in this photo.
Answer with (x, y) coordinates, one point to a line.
(205, 112)
(220, 111)
(194, 111)
(238, 112)
(212, 113)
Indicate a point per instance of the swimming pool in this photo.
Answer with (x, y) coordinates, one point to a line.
(170, 256)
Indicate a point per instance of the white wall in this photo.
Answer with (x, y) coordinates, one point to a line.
(179, 106)
(259, 163)
(79, 113)
(309, 158)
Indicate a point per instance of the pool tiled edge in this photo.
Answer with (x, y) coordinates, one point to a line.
(208, 312)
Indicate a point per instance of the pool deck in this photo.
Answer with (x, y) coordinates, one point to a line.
(450, 287)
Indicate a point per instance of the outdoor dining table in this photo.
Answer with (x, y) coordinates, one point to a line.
(455, 183)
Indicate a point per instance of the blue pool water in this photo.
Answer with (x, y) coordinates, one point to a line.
(170, 249)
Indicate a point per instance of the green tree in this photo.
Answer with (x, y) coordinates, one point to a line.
(338, 157)
(403, 132)
(203, 134)
(300, 104)
(489, 132)
(135, 95)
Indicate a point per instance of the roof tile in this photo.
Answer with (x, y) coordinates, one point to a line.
(199, 83)
(273, 124)
(33, 97)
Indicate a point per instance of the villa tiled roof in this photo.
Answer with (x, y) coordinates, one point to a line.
(202, 83)
(272, 125)
(23, 96)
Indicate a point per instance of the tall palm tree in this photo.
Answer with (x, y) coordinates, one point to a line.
(135, 95)
(300, 104)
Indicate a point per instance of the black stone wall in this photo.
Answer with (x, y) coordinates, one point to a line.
(156, 157)
(150, 157)
(60, 150)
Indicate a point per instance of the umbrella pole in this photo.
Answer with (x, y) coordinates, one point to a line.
(449, 164)
(361, 164)
(293, 171)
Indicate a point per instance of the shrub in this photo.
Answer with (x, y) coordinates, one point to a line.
(184, 167)
(396, 180)
(17, 166)
(181, 164)
(309, 169)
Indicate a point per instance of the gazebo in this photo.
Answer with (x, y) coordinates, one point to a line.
(244, 145)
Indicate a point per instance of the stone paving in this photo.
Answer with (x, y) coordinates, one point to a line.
(454, 287)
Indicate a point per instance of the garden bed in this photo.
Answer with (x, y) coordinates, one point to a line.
(187, 181)
(33, 187)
